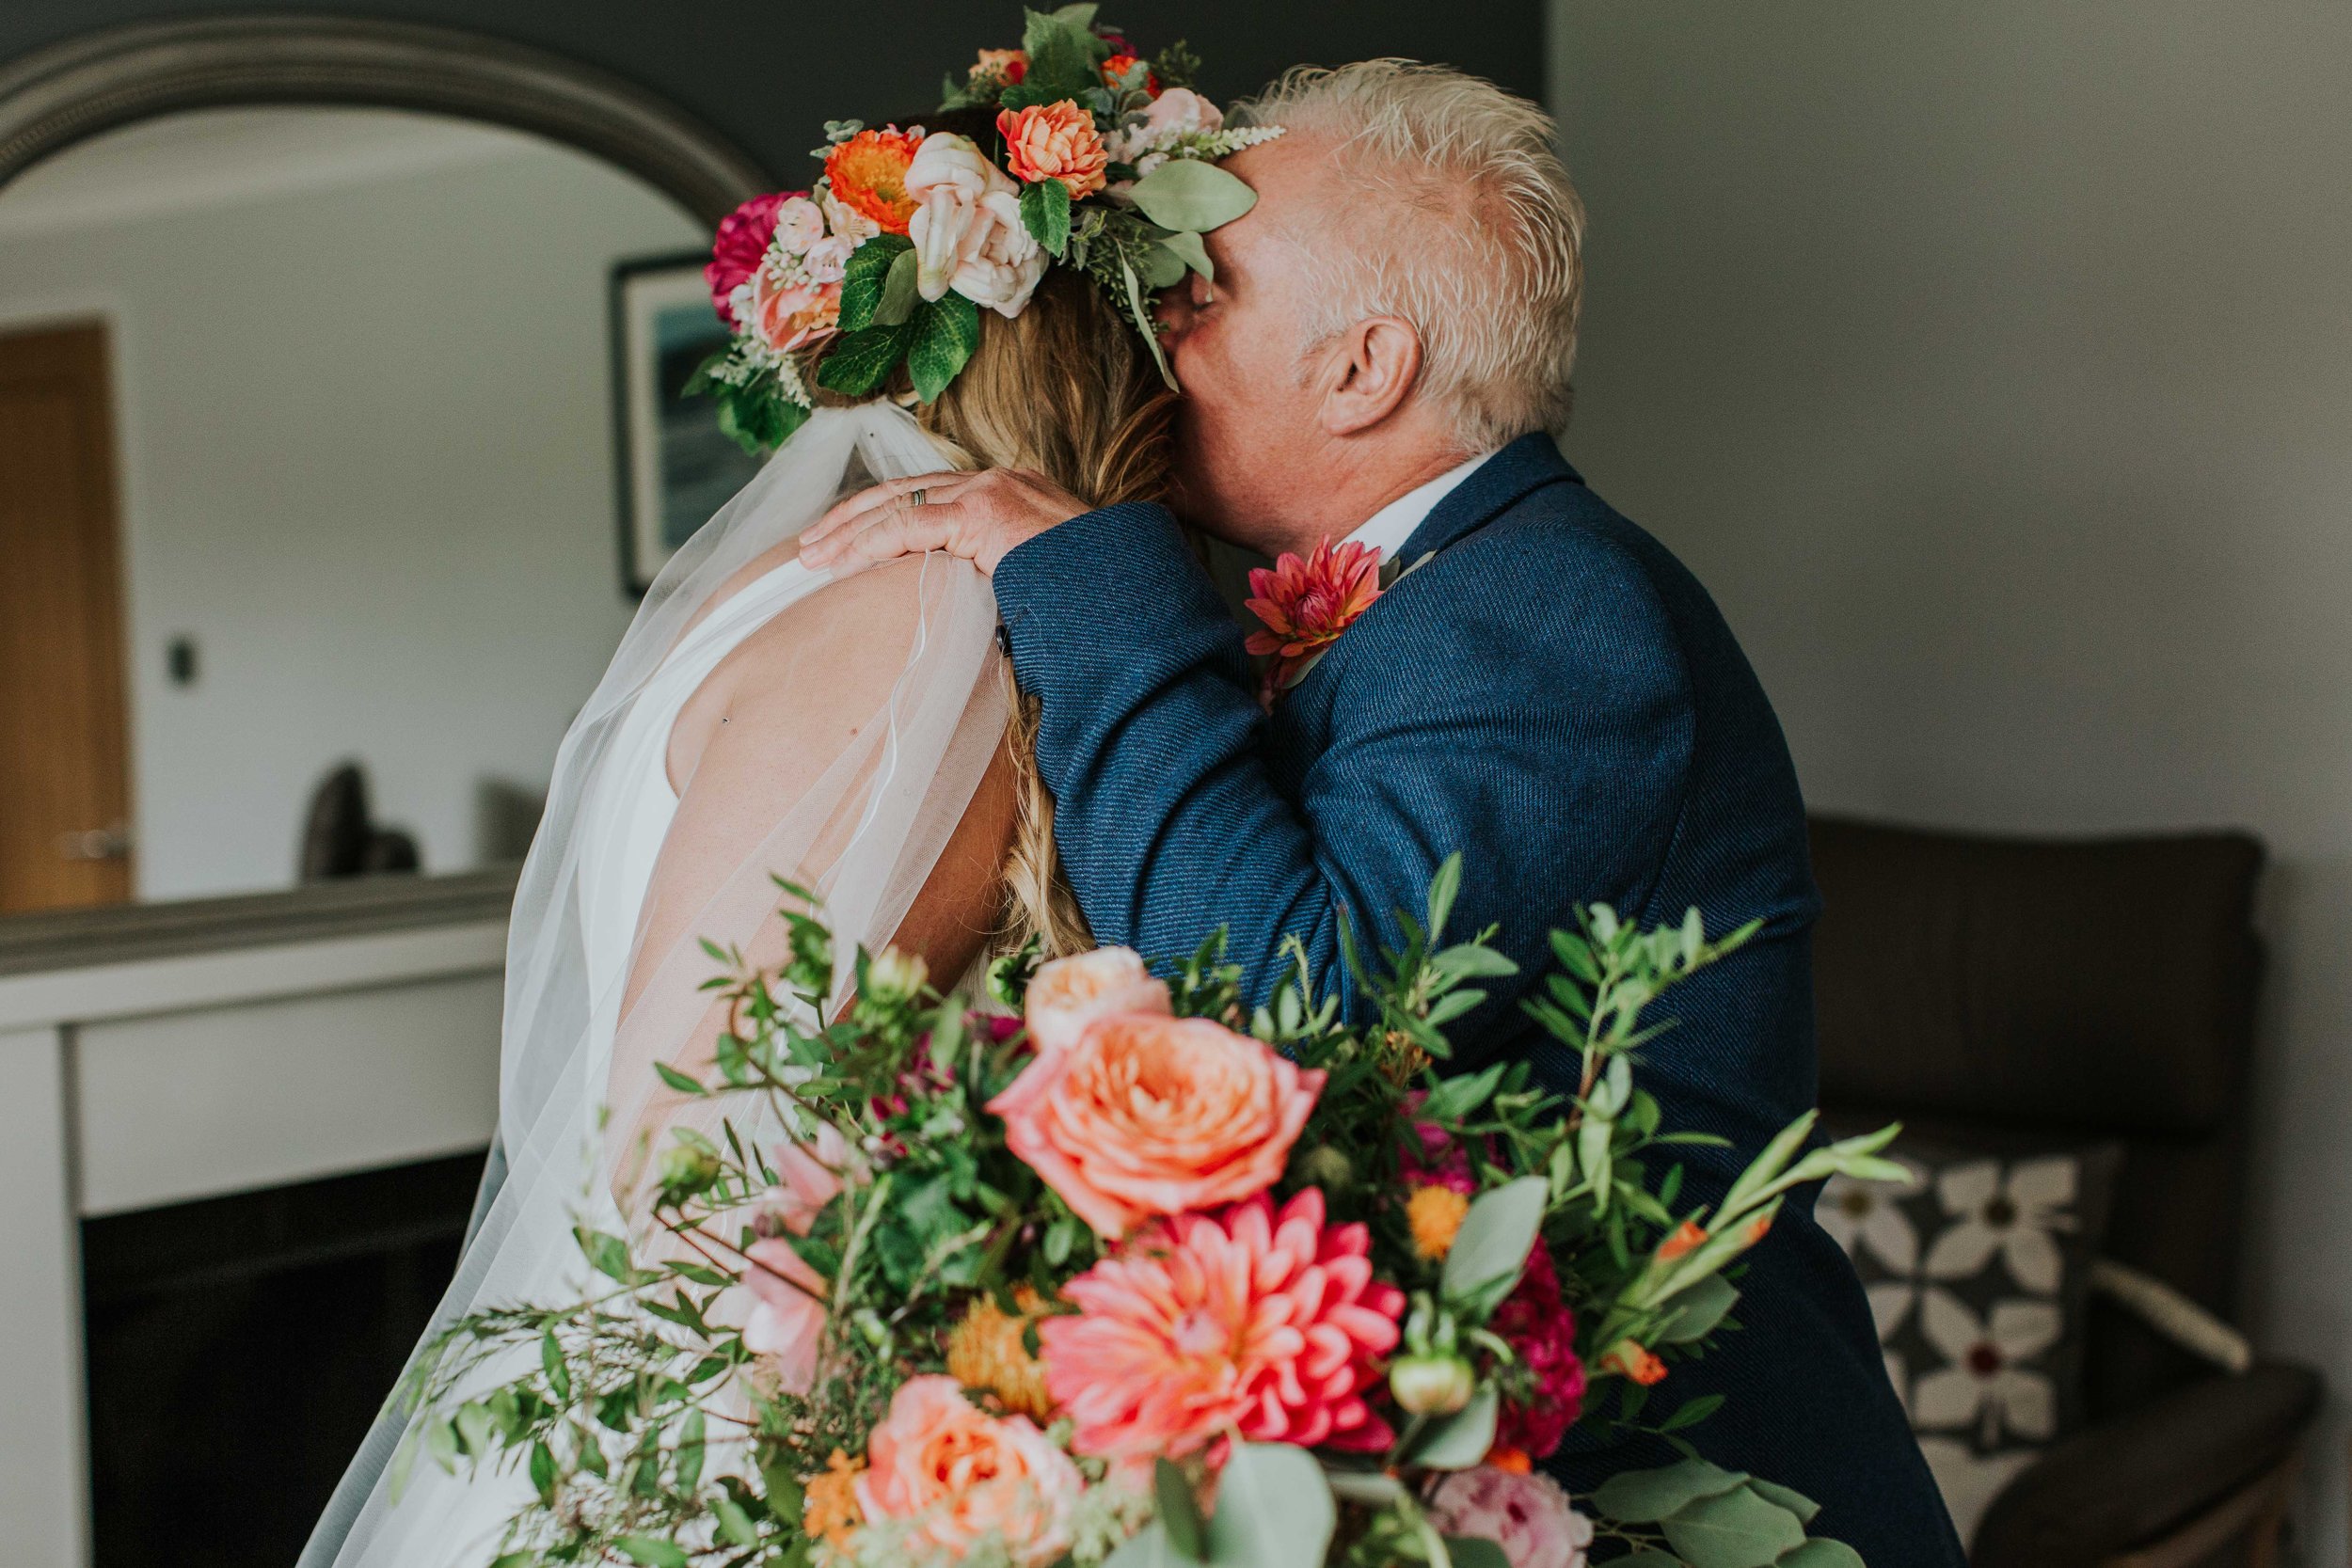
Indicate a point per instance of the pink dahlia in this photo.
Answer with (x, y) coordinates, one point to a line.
(735, 254)
(1266, 1323)
(1541, 1330)
(1306, 604)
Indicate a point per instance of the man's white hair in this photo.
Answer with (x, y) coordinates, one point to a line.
(1448, 207)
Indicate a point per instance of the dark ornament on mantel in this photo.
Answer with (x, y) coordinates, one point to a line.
(340, 840)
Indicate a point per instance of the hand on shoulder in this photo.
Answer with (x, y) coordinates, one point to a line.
(981, 516)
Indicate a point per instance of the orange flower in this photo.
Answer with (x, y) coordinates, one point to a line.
(960, 1475)
(1055, 141)
(830, 1512)
(1434, 1213)
(1117, 68)
(1511, 1461)
(1069, 993)
(1634, 1361)
(1687, 1238)
(1004, 65)
(986, 1353)
(1306, 604)
(868, 174)
(1262, 1323)
(1148, 1114)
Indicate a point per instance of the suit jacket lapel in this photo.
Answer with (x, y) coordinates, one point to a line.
(1526, 465)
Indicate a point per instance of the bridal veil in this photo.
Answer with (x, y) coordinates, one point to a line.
(865, 838)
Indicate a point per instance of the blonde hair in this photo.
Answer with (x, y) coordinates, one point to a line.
(1448, 207)
(1065, 390)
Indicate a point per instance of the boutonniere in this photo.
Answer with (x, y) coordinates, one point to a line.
(1305, 605)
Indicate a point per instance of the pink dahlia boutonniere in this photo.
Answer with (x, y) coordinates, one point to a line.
(1305, 605)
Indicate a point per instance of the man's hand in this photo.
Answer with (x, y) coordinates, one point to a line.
(979, 517)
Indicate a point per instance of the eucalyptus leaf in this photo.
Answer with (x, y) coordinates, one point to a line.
(1194, 254)
(1180, 1510)
(1821, 1554)
(652, 1553)
(1796, 1502)
(1160, 267)
(898, 291)
(1732, 1529)
(1645, 1496)
(1476, 1551)
(1495, 1235)
(1148, 1547)
(1274, 1510)
(1462, 1439)
(1371, 1488)
(1189, 193)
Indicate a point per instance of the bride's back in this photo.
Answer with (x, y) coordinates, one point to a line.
(1065, 390)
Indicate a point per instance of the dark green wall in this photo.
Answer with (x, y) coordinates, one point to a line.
(769, 72)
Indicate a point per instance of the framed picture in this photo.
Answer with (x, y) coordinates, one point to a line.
(677, 465)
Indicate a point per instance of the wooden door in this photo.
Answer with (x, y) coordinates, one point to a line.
(64, 742)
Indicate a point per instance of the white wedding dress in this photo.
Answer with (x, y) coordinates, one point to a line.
(865, 838)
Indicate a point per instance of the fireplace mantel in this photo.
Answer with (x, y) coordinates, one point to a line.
(154, 1054)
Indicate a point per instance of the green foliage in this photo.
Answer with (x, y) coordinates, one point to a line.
(1045, 214)
(866, 279)
(946, 331)
(1192, 194)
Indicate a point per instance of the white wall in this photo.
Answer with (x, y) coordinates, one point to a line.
(1992, 365)
(364, 419)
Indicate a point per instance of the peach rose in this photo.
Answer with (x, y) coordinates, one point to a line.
(787, 1317)
(1069, 994)
(790, 315)
(1148, 1114)
(964, 1476)
(968, 230)
(1055, 141)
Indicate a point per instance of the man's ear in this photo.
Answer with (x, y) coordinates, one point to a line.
(1378, 365)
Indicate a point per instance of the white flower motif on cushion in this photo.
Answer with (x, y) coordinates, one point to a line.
(1987, 1381)
(1890, 1304)
(1970, 1480)
(2013, 1217)
(1866, 1213)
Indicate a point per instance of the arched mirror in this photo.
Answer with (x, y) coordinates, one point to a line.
(338, 426)
(339, 429)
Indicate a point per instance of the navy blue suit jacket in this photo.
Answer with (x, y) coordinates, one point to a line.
(1553, 695)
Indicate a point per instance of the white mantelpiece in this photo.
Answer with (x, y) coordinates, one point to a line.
(153, 1056)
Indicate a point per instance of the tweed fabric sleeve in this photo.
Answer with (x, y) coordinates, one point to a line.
(1541, 732)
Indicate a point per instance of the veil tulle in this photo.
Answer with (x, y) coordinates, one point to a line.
(865, 838)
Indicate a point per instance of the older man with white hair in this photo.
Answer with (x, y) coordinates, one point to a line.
(1539, 685)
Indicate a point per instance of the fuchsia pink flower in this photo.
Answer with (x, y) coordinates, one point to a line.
(742, 243)
(1541, 1331)
(1249, 1321)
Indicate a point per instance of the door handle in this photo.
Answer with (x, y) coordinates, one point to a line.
(97, 843)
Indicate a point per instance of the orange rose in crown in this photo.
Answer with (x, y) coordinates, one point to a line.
(1305, 605)
(1055, 141)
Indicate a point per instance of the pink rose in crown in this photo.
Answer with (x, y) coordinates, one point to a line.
(1305, 605)
(790, 315)
(742, 243)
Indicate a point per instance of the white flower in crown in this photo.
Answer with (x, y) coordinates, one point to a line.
(2012, 1216)
(968, 230)
(1987, 1381)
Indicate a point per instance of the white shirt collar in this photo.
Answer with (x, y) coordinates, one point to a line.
(1387, 529)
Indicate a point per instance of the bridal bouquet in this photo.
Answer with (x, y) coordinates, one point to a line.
(1135, 1275)
(1088, 156)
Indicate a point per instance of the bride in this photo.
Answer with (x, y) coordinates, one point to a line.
(860, 738)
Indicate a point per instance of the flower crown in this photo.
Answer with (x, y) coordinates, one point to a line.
(1102, 161)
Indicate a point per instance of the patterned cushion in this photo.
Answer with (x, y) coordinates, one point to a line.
(1978, 1275)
